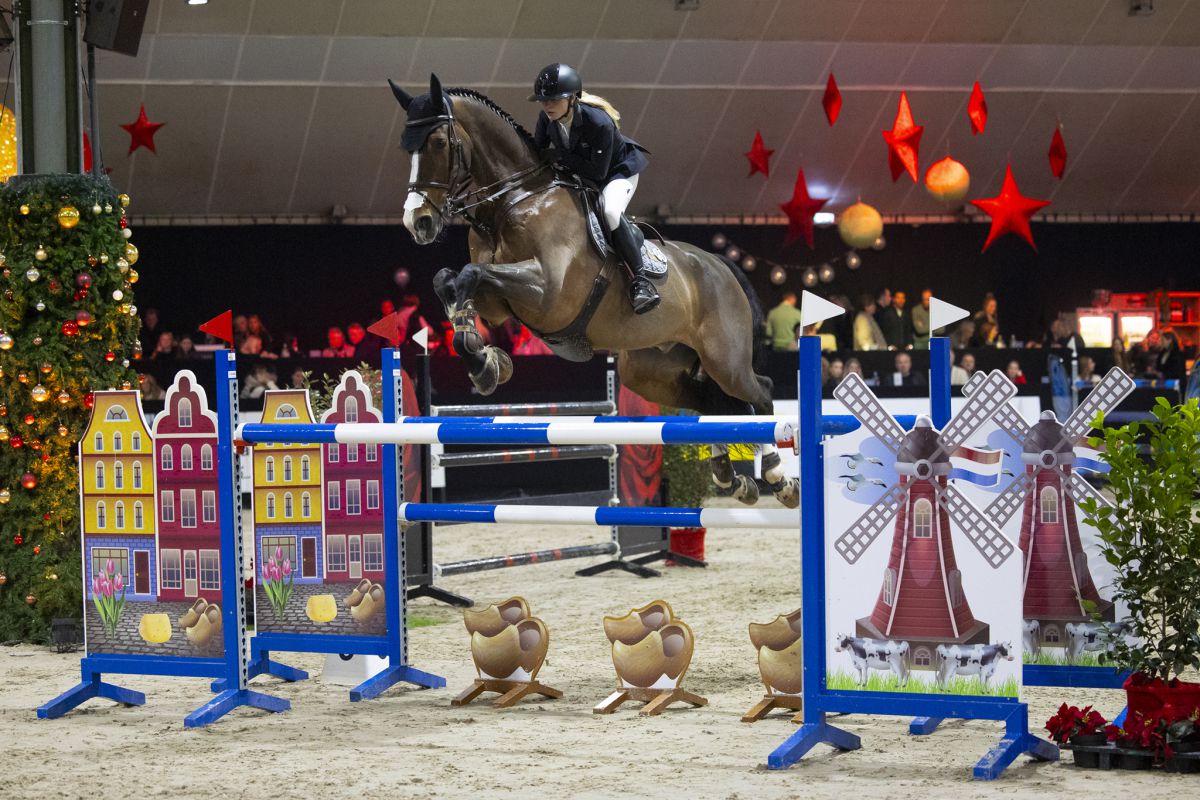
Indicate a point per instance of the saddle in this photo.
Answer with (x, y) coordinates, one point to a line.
(571, 342)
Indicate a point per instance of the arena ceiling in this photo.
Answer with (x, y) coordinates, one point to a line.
(279, 108)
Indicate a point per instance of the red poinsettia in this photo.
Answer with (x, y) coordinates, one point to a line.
(1070, 722)
(1156, 732)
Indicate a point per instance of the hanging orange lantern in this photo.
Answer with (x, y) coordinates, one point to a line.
(860, 225)
(948, 181)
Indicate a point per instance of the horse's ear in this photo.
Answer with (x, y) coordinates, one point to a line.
(435, 94)
(404, 97)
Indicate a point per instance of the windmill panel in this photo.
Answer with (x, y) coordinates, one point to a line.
(854, 394)
(986, 537)
(995, 391)
(855, 541)
(1012, 498)
(1107, 395)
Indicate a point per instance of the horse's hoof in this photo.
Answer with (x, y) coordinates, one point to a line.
(745, 490)
(487, 379)
(787, 491)
(503, 362)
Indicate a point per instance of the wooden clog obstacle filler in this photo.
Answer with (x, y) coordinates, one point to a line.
(651, 651)
(508, 646)
(781, 664)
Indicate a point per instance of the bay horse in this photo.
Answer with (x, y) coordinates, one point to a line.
(531, 259)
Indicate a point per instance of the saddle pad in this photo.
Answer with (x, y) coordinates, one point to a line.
(596, 232)
(654, 260)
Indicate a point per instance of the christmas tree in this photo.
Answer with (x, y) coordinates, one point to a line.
(68, 327)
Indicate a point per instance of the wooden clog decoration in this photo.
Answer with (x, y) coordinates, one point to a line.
(781, 664)
(206, 627)
(508, 647)
(370, 604)
(651, 652)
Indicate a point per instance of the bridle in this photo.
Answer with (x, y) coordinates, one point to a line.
(459, 197)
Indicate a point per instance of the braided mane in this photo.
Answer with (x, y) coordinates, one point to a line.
(525, 136)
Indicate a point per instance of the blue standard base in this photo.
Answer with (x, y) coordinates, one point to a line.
(86, 690)
(923, 726)
(225, 702)
(265, 666)
(381, 682)
(1017, 740)
(803, 740)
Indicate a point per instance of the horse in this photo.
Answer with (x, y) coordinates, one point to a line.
(531, 259)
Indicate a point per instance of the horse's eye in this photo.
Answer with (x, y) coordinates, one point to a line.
(439, 144)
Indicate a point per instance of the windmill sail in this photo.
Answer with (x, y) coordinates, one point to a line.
(866, 529)
(856, 396)
(1108, 394)
(1080, 489)
(1012, 498)
(989, 396)
(980, 530)
(1006, 416)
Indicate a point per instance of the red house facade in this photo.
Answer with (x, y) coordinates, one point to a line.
(185, 452)
(352, 480)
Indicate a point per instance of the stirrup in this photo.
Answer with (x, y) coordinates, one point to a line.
(641, 300)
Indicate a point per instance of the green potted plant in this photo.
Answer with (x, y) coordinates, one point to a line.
(687, 483)
(1151, 537)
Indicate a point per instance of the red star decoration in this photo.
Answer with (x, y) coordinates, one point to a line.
(87, 155)
(977, 110)
(831, 101)
(1058, 154)
(141, 132)
(903, 140)
(759, 156)
(800, 210)
(1010, 212)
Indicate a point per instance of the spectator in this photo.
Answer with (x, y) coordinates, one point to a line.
(987, 325)
(338, 346)
(1170, 364)
(165, 347)
(1087, 371)
(782, 321)
(904, 376)
(239, 331)
(386, 309)
(1062, 335)
(1014, 373)
(366, 348)
(854, 366)
(963, 335)
(958, 375)
(148, 336)
(289, 345)
(867, 335)
(258, 382)
(1120, 357)
(843, 324)
(837, 370)
(187, 349)
(918, 322)
(150, 388)
(968, 363)
(258, 341)
(299, 379)
(894, 323)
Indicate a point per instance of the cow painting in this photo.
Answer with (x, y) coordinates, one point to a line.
(1032, 636)
(1093, 637)
(970, 659)
(881, 654)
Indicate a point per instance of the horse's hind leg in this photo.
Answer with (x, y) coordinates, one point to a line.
(488, 366)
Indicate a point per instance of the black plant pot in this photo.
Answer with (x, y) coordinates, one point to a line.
(1135, 759)
(1186, 758)
(1082, 750)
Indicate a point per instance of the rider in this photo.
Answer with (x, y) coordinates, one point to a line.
(581, 131)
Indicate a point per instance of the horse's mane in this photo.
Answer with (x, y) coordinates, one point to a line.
(525, 136)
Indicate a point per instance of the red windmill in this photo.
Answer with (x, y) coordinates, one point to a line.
(922, 600)
(1057, 581)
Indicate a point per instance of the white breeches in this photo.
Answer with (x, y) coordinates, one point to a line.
(617, 193)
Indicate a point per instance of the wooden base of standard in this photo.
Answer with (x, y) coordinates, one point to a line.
(656, 700)
(773, 701)
(510, 692)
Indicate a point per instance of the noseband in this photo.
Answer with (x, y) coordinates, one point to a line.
(459, 198)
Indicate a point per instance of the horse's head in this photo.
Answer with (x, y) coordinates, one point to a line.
(439, 160)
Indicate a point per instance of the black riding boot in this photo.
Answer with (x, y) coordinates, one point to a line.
(642, 293)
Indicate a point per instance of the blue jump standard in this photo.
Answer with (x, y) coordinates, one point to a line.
(230, 699)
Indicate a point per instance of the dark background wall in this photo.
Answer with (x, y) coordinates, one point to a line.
(305, 278)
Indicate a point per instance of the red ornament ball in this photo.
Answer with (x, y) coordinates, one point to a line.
(18, 540)
(54, 286)
(80, 294)
(30, 599)
(89, 400)
(45, 456)
(83, 318)
(29, 419)
(70, 328)
(37, 549)
(110, 356)
(16, 441)
(29, 480)
(83, 280)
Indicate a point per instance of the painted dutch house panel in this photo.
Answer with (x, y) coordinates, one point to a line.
(352, 480)
(189, 528)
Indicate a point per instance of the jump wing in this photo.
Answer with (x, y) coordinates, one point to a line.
(980, 530)
(866, 529)
(863, 404)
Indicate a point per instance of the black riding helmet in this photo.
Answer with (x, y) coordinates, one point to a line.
(555, 82)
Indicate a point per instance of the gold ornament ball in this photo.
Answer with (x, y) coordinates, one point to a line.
(40, 254)
(64, 398)
(108, 208)
(948, 181)
(125, 363)
(117, 294)
(4, 434)
(124, 309)
(62, 429)
(126, 385)
(131, 253)
(22, 377)
(5, 495)
(68, 217)
(123, 199)
(122, 265)
(40, 394)
(24, 210)
(132, 277)
(132, 310)
(860, 225)
(96, 209)
(3, 259)
(32, 274)
(104, 258)
(6, 341)
(37, 341)
(46, 368)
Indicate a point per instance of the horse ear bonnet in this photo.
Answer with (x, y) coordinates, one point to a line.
(424, 114)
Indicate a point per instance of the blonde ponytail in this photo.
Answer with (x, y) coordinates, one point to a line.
(601, 103)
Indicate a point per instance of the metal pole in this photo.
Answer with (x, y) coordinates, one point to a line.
(94, 109)
(233, 590)
(393, 538)
(47, 37)
(939, 381)
(521, 559)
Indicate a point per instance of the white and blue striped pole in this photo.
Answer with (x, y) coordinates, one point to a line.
(600, 516)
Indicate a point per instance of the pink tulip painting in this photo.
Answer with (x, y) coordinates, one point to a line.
(278, 581)
(108, 595)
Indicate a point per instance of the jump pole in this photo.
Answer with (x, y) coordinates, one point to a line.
(819, 700)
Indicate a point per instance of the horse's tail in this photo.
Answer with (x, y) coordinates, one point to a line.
(757, 317)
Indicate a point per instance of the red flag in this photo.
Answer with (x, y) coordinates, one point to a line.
(220, 326)
(392, 327)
